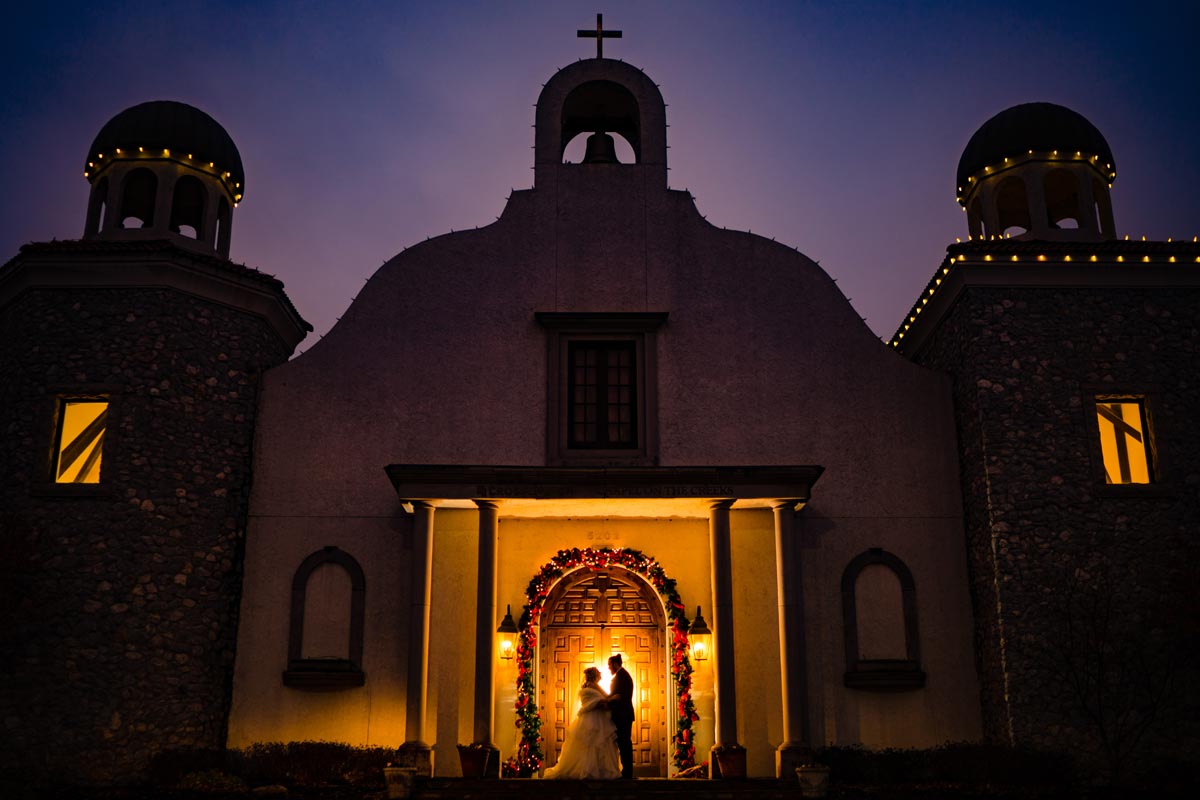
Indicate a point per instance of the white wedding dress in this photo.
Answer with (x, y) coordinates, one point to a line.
(590, 748)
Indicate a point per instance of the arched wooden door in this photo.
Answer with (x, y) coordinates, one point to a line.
(588, 617)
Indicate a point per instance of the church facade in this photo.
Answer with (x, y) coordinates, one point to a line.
(600, 425)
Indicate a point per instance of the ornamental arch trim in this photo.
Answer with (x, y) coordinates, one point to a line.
(326, 673)
(881, 674)
(565, 563)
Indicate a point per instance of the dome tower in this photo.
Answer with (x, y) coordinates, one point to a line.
(164, 170)
(1038, 171)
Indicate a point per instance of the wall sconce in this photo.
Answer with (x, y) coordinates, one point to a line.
(508, 635)
(701, 637)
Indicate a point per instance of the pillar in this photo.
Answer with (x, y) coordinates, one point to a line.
(725, 706)
(485, 634)
(416, 752)
(1034, 179)
(792, 656)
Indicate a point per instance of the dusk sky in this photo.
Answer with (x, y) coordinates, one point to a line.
(367, 127)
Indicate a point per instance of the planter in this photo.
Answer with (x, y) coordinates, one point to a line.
(399, 781)
(732, 763)
(814, 780)
(474, 760)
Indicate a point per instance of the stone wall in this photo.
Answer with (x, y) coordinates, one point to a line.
(120, 605)
(1072, 580)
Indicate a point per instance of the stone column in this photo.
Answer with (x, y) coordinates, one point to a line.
(725, 707)
(416, 752)
(991, 216)
(1087, 203)
(792, 655)
(1034, 179)
(485, 634)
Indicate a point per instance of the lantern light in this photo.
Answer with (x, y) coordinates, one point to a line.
(508, 635)
(701, 635)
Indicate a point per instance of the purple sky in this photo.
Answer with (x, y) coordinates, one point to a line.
(834, 127)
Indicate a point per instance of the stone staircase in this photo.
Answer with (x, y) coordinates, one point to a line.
(640, 789)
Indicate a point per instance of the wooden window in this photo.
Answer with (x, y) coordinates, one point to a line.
(602, 394)
(600, 398)
(1125, 446)
(79, 441)
(326, 653)
(883, 651)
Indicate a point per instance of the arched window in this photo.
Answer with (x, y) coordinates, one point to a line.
(187, 207)
(325, 639)
(96, 205)
(221, 237)
(138, 196)
(879, 620)
(1062, 199)
(1012, 207)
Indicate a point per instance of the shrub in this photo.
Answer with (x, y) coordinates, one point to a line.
(961, 763)
(212, 780)
(312, 763)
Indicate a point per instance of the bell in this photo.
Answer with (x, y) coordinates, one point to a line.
(601, 149)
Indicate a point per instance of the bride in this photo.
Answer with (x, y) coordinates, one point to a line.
(590, 748)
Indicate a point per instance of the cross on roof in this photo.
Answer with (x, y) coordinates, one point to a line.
(599, 35)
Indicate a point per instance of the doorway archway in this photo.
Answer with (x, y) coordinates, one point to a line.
(530, 753)
(589, 616)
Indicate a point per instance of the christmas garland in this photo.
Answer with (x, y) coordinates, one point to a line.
(528, 759)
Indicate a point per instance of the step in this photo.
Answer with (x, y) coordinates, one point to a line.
(640, 789)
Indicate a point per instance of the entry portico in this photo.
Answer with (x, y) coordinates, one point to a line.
(647, 492)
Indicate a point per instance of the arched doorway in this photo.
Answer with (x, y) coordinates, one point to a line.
(589, 616)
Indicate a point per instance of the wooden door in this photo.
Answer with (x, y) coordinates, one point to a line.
(587, 619)
(642, 651)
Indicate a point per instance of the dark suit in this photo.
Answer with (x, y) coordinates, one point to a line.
(621, 709)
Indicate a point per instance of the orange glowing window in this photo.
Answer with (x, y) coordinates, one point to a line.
(80, 442)
(1124, 440)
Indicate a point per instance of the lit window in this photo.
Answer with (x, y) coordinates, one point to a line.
(1124, 440)
(80, 442)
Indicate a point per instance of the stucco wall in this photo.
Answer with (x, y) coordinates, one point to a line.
(761, 361)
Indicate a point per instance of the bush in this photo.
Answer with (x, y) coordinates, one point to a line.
(212, 780)
(312, 763)
(960, 763)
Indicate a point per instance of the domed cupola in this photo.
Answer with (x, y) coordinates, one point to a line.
(164, 170)
(1038, 171)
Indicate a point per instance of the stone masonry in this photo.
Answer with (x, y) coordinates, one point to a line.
(120, 603)
(1045, 534)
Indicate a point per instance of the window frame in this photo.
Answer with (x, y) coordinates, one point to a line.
(326, 673)
(637, 328)
(1147, 396)
(881, 674)
(57, 396)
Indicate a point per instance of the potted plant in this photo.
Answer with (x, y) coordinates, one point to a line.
(731, 760)
(814, 779)
(474, 759)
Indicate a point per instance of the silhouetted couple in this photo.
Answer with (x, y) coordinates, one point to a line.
(602, 730)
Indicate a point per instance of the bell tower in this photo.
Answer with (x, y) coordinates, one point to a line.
(1038, 171)
(164, 170)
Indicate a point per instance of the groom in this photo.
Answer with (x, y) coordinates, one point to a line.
(621, 708)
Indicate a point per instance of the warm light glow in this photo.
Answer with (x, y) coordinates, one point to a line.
(506, 649)
(700, 651)
(1093, 258)
(166, 152)
(1123, 440)
(80, 442)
